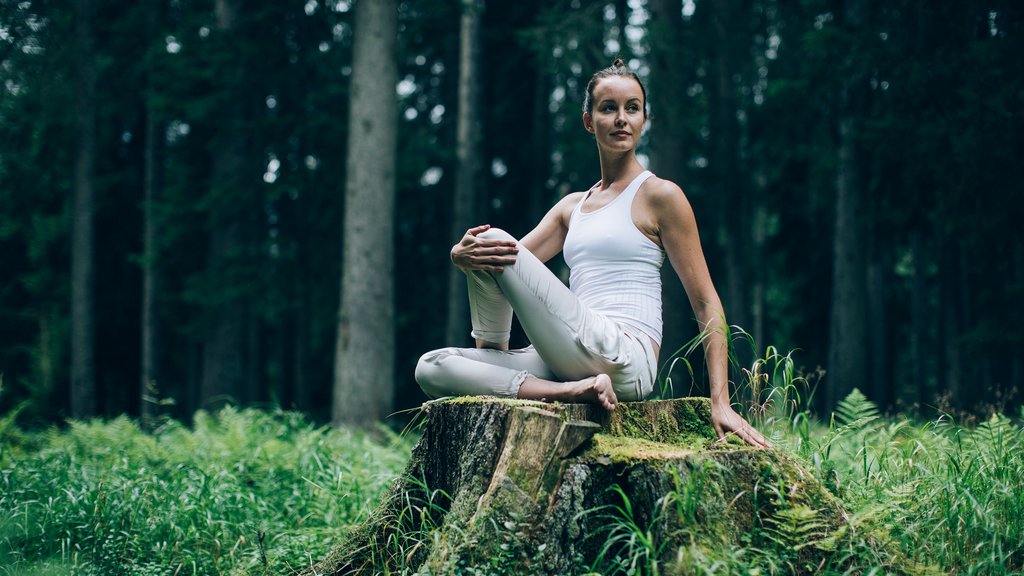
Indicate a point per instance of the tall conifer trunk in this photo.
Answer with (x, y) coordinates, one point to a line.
(152, 183)
(225, 338)
(83, 378)
(919, 341)
(725, 160)
(364, 359)
(951, 322)
(541, 136)
(880, 388)
(758, 281)
(729, 190)
(468, 158)
(622, 12)
(847, 358)
(670, 70)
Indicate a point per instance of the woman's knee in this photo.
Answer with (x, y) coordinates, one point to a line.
(496, 234)
(430, 369)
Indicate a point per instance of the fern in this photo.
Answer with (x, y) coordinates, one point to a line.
(795, 528)
(856, 411)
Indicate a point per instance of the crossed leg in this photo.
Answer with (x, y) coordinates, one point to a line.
(596, 389)
(576, 349)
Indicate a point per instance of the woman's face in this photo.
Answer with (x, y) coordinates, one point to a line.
(617, 118)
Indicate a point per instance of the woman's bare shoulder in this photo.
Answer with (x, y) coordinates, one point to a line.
(565, 206)
(662, 189)
(662, 193)
(572, 198)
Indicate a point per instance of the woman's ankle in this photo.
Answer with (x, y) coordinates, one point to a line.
(484, 344)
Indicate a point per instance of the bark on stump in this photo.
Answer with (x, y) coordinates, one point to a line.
(499, 486)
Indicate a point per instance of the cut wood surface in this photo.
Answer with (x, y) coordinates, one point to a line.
(498, 486)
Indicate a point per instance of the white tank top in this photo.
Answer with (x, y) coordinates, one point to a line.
(613, 268)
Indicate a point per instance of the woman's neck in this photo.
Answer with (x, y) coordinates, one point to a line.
(625, 167)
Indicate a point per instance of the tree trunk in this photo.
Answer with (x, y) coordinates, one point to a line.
(880, 389)
(759, 238)
(622, 12)
(670, 70)
(1016, 364)
(47, 351)
(468, 153)
(83, 377)
(254, 389)
(364, 360)
(967, 395)
(224, 341)
(919, 340)
(302, 395)
(847, 342)
(847, 357)
(541, 136)
(522, 487)
(950, 322)
(152, 184)
(729, 190)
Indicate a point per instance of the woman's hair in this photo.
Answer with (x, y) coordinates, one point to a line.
(618, 68)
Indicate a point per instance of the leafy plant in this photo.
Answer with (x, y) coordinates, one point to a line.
(240, 490)
(628, 547)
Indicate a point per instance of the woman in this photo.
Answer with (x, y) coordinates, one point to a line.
(597, 340)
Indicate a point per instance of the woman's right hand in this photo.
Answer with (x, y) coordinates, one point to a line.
(475, 253)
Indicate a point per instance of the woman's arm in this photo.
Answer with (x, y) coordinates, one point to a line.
(546, 239)
(675, 225)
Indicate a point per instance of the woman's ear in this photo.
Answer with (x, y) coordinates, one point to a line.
(588, 122)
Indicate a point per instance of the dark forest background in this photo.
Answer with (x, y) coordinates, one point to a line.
(181, 218)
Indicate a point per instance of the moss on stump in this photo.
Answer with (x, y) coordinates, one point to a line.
(498, 486)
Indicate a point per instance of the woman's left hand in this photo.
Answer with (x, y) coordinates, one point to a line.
(725, 420)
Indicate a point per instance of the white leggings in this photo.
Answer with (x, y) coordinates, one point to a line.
(569, 341)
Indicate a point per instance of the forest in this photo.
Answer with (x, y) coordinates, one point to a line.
(180, 201)
(225, 231)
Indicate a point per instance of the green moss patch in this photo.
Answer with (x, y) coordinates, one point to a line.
(611, 449)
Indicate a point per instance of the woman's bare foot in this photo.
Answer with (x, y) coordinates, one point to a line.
(593, 390)
(596, 390)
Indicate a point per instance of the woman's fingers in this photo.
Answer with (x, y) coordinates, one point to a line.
(500, 250)
(732, 422)
(472, 233)
(475, 253)
(751, 436)
(483, 244)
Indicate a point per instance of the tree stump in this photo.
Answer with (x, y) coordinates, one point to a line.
(498, 486)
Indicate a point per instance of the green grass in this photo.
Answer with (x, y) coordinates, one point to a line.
(254, 492)
(239, 492)
(943, 495)
(923, 497)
